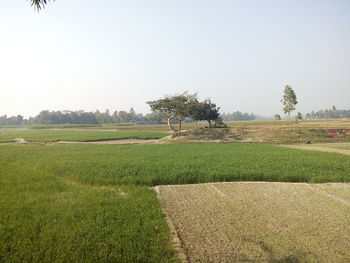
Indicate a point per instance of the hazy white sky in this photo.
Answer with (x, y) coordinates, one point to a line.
(88, 54)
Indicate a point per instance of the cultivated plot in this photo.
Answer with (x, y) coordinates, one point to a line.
(260, 222)
(51, 135)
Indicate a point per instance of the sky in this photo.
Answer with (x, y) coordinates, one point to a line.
(112, 54)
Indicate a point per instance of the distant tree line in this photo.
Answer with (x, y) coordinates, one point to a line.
(13, 120)
(83, 117)
(238, 116)
(198, 111)
(332, 113)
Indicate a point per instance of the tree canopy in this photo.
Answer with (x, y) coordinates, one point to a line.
(289, 100)
(186, 106)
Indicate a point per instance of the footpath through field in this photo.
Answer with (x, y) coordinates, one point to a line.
(260, 222)
(332, 147)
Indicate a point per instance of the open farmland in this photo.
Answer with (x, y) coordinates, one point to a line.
(270, 132)
(181, 163)
(46, 219)
(54, 135)
(256, 124)
(260, 222)
(92, 203)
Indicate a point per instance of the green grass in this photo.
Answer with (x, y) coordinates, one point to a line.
(91, 203)
(50, 135)
(181, 163)
(45, 219)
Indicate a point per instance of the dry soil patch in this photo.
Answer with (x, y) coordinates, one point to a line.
(260, 222)
(323, 148)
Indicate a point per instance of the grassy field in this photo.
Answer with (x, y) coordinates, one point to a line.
(261, 222)
(91, 203)
(53, 135)
(181, 163)
(45, 219)
(320, 123)
(271, 132)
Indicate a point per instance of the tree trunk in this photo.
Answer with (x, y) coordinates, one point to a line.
(196, 124)
(209, 123)
(180, 124)
(169, 123)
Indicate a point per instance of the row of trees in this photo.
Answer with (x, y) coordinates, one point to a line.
(238, 116)
(332, 113)
(83, 117)
(13, 120)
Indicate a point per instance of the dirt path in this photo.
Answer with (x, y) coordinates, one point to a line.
(20, 141)
(174, 237)
(260, 222)
(126, 141)
(317, 148)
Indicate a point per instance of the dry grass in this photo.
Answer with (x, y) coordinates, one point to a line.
(278, 132)
(261, 222)
(342, 148)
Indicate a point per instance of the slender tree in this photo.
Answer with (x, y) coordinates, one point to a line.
(289, 100)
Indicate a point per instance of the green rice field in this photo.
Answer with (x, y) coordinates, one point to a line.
(52, 135)
(92, 203)
(180, 163)
(45, 219)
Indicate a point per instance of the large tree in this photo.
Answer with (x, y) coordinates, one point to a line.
(210, 111)
(176, 106)
(289, 100)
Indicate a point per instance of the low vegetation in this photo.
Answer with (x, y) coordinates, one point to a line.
(45, 219)
(45, 135)
(270, 135)
(92, 203)
(181, 163)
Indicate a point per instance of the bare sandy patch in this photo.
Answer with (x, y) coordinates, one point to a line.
(260, 222)
(126, 141)
(19, 141)
(319, 148)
